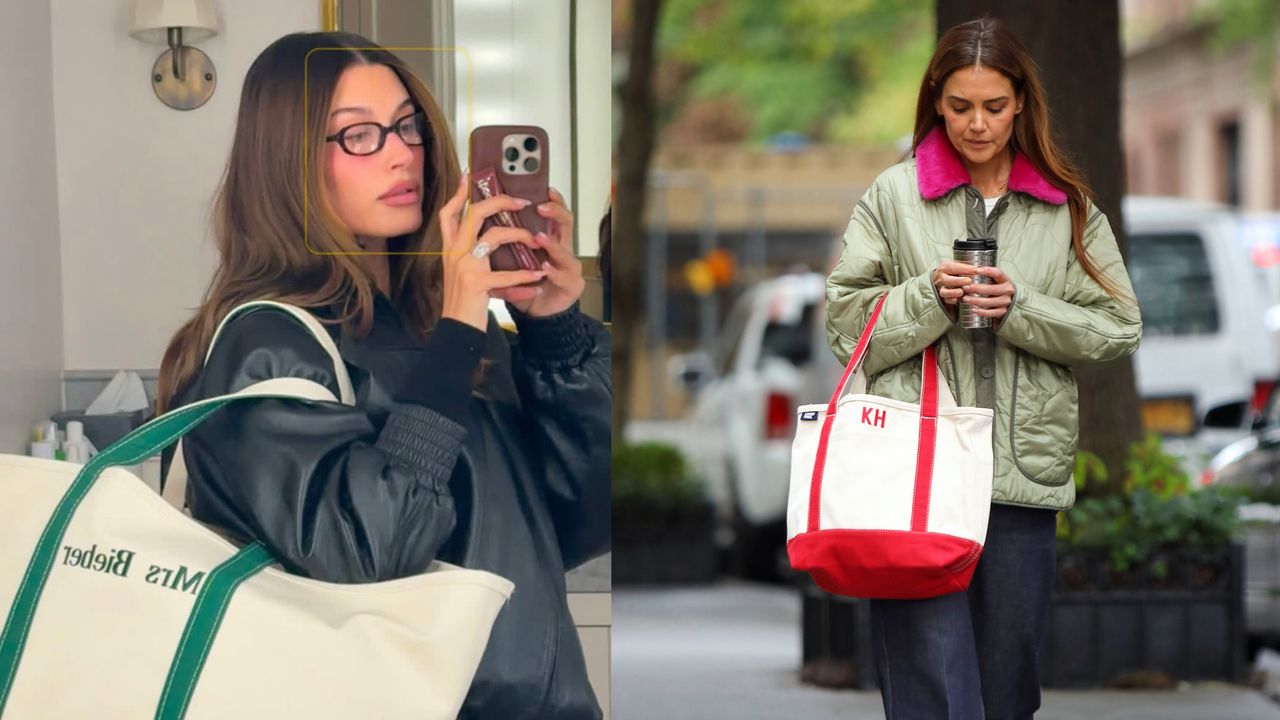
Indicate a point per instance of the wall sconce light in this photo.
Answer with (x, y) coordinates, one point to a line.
(183, 76)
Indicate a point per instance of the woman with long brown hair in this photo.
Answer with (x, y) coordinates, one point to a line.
(343, 196)
(984, 165)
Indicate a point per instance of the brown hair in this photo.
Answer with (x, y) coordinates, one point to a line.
(604, 261)
(987, 42)
(259, 213)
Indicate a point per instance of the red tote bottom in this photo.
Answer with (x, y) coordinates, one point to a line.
(885, 564)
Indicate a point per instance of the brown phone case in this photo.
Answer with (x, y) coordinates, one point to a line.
(486, 157)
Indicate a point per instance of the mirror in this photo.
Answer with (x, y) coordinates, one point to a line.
(691, 371)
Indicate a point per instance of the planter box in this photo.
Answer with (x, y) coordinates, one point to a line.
(836, 639)
(1262, 574)
(671, 546)
(1186, 622)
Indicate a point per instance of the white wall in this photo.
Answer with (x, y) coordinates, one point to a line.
(30, 294)
(518, 73)
(135, 178)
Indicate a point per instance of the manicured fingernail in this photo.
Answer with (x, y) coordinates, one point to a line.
(523, 202)
(546, 266)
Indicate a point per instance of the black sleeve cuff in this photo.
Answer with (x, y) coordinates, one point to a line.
(421, 439)
(555, 340)
(443, 383)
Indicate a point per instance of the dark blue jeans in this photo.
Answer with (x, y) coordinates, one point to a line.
(974, 654)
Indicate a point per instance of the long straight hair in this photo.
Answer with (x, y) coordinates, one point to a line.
(271, 243)
(987, 42)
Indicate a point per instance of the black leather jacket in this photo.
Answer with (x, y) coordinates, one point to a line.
(518, 487)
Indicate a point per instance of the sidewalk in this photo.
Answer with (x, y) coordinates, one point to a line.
(733, 651)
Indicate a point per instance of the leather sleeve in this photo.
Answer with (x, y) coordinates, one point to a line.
(331, 491)
(562, 367)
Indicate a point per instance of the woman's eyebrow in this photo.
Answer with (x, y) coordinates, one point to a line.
(367, 111)
(996, 99)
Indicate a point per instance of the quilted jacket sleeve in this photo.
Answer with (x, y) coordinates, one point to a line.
(1086, 324)
(562, 366)
(913, 317)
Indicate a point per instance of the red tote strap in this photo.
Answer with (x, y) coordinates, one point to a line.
(819, 465)
(926, 444)
(859, 352)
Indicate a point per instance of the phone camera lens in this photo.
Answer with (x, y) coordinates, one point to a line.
(512, 154)
(530, 144)
(531, 164)
(511, 168)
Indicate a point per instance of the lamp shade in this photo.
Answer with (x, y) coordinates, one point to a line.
(153, 18)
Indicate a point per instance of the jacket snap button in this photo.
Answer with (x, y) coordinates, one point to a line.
(986, 371)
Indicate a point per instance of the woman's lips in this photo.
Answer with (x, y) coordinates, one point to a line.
(407, 197)
(979, 143)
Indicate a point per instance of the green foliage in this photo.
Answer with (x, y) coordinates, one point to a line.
(1249, 22)
(833, 69)
(884, 109)
(1157, 512)
(653, 475)
(1090, 470)
(1150, 468)
(1253, 493)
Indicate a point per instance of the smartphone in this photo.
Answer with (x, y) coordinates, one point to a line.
(512, 160)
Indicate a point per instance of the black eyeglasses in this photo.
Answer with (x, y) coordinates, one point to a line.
(367, 138)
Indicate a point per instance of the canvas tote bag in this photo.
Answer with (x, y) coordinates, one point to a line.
(118, 605)
(889, 499)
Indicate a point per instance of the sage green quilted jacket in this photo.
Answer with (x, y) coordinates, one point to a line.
(903, 228)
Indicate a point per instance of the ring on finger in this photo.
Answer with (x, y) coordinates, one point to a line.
(481, 249)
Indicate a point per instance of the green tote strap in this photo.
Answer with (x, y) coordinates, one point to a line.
(202, 627)
(212, 599)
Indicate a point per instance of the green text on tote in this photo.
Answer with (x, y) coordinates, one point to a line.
(118, 562)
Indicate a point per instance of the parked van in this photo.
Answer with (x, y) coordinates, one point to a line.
(1207, 356)
(1208, 350)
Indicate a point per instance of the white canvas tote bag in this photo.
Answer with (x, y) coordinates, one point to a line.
(118, 605)
(889, 499)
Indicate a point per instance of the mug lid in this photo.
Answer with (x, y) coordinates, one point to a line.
(975, 244)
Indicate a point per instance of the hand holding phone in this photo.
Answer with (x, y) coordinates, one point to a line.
(468, 281)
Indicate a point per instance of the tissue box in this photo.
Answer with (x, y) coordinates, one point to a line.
(104, 430)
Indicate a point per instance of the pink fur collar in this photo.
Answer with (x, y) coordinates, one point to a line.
(939, 170)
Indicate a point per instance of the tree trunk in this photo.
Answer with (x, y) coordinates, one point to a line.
(635, 146)
(1077, 48)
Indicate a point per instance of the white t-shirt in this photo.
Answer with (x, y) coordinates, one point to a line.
(991, 203)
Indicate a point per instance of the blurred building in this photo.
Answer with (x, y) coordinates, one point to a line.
(1198, 122)
(773, 210)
